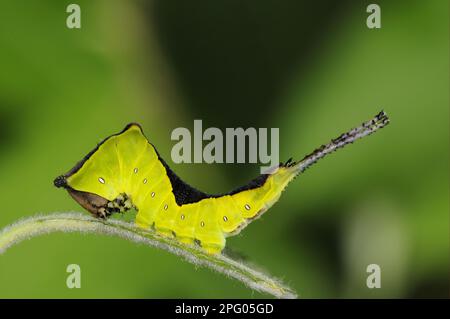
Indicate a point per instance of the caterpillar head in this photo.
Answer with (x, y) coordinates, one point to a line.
(95, 204)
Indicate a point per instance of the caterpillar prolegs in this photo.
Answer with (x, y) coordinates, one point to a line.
(126, 171)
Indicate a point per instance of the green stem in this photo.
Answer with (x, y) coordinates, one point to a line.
(77, 222)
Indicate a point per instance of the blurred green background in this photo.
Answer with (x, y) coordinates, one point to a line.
(311, 68)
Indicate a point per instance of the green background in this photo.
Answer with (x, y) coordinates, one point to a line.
(313, 69)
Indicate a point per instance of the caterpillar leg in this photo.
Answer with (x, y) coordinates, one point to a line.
(213, 248)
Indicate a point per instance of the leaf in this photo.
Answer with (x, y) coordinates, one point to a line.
(76, 222)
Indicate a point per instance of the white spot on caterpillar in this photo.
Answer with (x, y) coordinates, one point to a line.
(247, 206)
(182, 216)
(153, 194)
(135, 170)
(202, 224)
(101, 180)
(145, 181)
(225, 218)
(166, 206)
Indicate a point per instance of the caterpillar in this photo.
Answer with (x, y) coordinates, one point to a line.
(126, 171)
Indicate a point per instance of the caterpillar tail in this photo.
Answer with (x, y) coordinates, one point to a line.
(289, 170)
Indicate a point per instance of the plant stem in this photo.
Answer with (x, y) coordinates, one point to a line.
(77, 222)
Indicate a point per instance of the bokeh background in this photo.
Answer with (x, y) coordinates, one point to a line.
(311, 68)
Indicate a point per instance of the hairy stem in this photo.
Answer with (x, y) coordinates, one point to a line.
(77, 222)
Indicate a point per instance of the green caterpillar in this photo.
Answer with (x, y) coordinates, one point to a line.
(126, 171)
